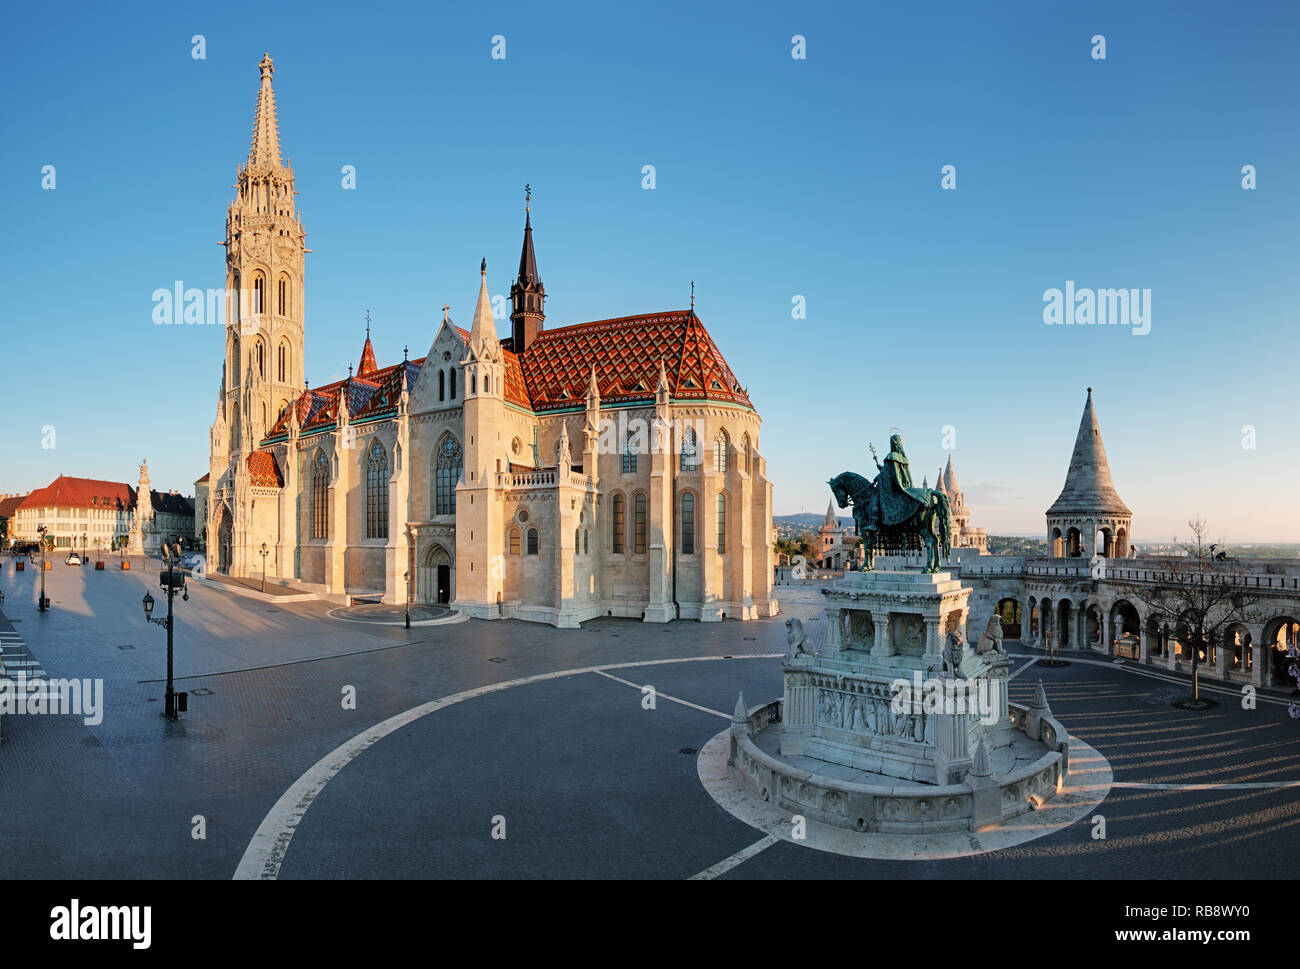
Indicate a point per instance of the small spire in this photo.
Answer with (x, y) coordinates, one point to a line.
(692, 297)
(528, 198)
(483, 331)
(404, 351)
(593, 390)
(367, 324)
(482, 268)
(349, 371)
(265, 147)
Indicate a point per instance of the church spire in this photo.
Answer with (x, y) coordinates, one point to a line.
(483, 332)
(265, 147)
(527, 294)
(830, 514)
(367, 364)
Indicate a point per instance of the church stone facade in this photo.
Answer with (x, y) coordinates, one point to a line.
(555, 475)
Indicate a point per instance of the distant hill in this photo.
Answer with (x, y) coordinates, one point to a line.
(808, 520)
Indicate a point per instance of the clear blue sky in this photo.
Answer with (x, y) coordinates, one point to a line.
(776, 177)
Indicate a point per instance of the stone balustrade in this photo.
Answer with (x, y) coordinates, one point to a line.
(899, 808)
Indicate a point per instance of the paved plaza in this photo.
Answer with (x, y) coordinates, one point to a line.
(460, 724)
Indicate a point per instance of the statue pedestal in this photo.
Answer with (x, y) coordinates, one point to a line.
(878, 697)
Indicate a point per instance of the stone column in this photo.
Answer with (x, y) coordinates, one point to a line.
(1144, 644)
(834, 631)
(933, 648)
(884, 646)
(1259, 659)
(1171, 650)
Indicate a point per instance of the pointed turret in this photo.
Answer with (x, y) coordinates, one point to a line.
(483, 331)
(950, 480)
(527, 294)
(265, 147)
(1088, 487)
(367, 364)
(830, 514)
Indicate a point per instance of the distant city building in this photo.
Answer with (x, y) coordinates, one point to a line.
(104, 512)
(837, 545)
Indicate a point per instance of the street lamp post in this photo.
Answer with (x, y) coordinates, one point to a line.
(171, 580)
(406, 576)
(264, 553)
(83, 548)
(44, 603)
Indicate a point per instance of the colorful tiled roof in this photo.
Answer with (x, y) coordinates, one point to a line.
(553, 373)
(626, 353)
(263, 470)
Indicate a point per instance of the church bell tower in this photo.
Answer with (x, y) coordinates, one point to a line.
(265, 249)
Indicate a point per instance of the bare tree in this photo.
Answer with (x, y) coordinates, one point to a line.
(1205, 593)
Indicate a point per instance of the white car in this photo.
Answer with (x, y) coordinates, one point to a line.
(73, 559)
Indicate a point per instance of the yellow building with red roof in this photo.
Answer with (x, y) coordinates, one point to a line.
(555, 475)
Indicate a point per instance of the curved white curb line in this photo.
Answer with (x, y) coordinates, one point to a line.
(265, 852)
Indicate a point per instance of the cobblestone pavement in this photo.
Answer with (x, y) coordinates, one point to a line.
(589, 783)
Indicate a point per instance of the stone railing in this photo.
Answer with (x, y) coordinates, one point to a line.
(526, 479)
(902, 808)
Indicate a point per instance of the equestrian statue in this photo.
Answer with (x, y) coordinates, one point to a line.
(891, 516)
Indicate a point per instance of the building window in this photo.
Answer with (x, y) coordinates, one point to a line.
(514, 541)
(618, 523)
(283, 297)
(629, 456)
(442, 385)
(260, 351)
(744, 452)
(688, 524)
(584, 541)
(320, 484)
(259, 294)
(282, 364)
(450, 463)
(689, 447)
(577, 534)
(639, 547)
(722, 524)
(452, 381)
(532, 541)
(377, 492)
(720, 452)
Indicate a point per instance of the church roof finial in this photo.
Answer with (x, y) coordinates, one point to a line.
(265, 147)
(692, 297)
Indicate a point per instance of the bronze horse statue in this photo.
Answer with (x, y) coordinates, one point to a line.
(891, 516)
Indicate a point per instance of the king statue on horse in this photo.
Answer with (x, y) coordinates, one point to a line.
(892, 516)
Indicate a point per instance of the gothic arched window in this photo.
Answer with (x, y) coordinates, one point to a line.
(619, 524)
(688, 524)
(259, 351)
(514, 541)
(320, 484)
(629, 455)
(452, 381)
(282, 363)
(442, 385)
(720, 452)
(744, 451)
(377, 492)
(639, 523)
(259, 294)
(450, 462)
(282, 302)
(532, 541)
(689, 447)
(722, 523)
